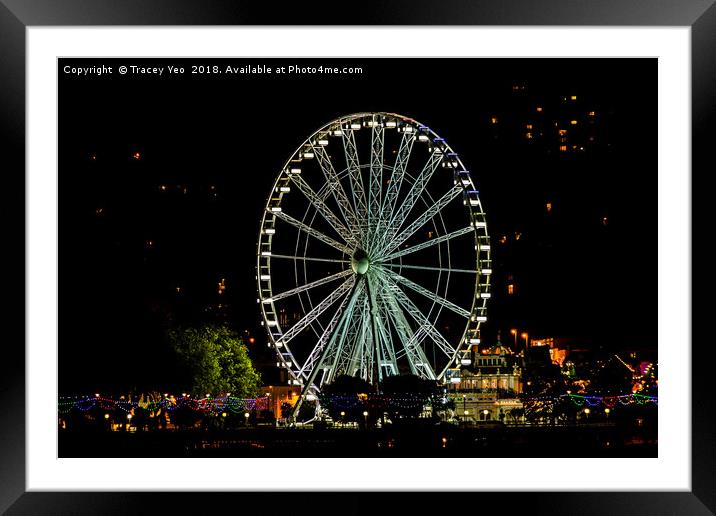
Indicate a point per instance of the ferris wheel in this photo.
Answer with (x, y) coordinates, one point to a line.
(373, 255)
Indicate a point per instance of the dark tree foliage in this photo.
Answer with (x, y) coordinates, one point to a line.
(343, 395)
(407, 395)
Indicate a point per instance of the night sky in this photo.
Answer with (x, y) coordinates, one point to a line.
(579, 224)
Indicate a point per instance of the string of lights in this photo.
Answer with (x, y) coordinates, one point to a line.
(207, 404)
(373, 401)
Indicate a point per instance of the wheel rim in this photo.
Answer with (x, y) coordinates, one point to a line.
(373, 255)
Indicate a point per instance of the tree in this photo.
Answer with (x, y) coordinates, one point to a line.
(408, 394)
(216, 361)
(342, 395)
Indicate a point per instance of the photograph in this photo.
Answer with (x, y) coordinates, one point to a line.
(357, 257)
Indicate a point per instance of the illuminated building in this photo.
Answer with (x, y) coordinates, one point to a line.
(489, 386)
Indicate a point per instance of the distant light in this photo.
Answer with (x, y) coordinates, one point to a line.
(337, 132)
(355, 125)
(573, 122)
(246, 414)
(606, 411)
(96, 395)
(136, 155)
(342, 413)
(574, 97)
(474, 340)
(295, 170)
(539, 109)
(465, 361)
(586, 411)
(485, 411)
(365, 413)
(423, 138)
(466, 412)
(323, 143)
(481, 318)
(223, 414)
(269, 231)
(308, 155)
(106, 416)
(251, 340)
(408, 129)
(129, 416)
(391, 124)
(284, 189)
(493, 120)
(276, 209)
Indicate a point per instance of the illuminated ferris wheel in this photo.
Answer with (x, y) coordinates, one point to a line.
(373, 255)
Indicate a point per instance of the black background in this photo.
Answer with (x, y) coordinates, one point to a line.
(225, 138)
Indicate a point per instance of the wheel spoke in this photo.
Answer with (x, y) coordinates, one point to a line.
(351, 344)
(420, 318)
(425, 268)
(316, 311)
(396, 180)
(359, 200)
(376, 181)
(425, 292)
(379, 335)
(428, 214)
(322, 208)
(417, 360)
(308, 259)
(313, 232)
(308, 286)
(431, 242)
(329, 336)
(337, 190)
(412, 197)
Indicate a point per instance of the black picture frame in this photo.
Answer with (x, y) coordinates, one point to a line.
(17, 15)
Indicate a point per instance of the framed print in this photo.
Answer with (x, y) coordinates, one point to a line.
(301, 259)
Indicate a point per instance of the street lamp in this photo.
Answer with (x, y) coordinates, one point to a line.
(343, 421)
(513, 331)
(524, 336)
(246, 418)
(485, 412)
(607, 411)
(365, 415)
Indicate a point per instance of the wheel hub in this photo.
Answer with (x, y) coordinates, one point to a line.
(360, 263)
